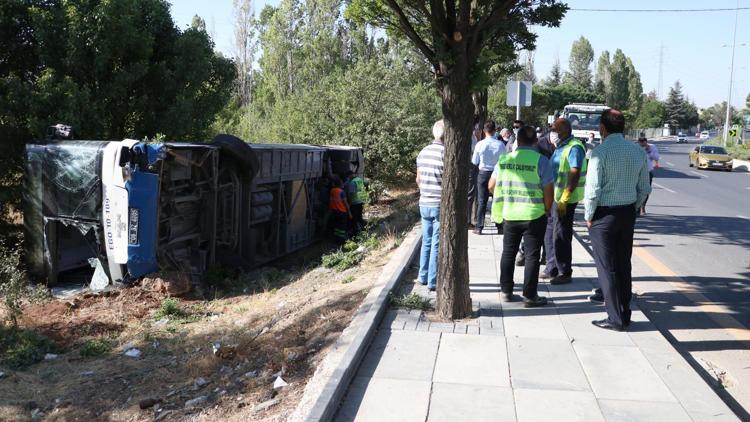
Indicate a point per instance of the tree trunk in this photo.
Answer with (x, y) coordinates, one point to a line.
(480, 106)
(453, 299)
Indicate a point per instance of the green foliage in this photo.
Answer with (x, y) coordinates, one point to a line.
(352, 252)
(738, 151)
(581, 57)
(21, 348)
(169, 308)
(679, 112)
(348, 279)
(13, 282)
(411, 301)
(651, 114)
(99, 346)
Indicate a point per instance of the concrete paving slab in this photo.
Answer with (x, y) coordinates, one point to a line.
(558, 406)
(483, 268)
(472, 360)
(577, 323)
(643, 411)
(401, 355)
(441, 327)
(533, 323)
(406, 400)
(545, 364)
(458, 402)
(621, 373)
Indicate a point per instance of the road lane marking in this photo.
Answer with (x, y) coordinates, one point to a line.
(666, 188)
(698, 174)
(669, 164)
(721, 315)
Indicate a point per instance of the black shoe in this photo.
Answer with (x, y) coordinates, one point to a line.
(604, 323)
(478, 231)
(544, 275)
(520, 261)
(596, 296)
(561, 279)
(432, 289)
(535, 302)
(507, 297)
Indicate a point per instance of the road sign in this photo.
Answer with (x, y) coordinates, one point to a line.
(513, 98)
(733, 132)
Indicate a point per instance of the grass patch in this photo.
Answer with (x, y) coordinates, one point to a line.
(170, 309)
(95, 347)
(411, 301)
(740, 152)
(21, 348)
(348, 279)
(352, 252)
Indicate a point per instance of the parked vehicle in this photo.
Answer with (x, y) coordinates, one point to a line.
(710, 156)
(123, 209)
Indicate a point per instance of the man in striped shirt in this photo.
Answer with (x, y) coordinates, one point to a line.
(616, 186)
(430, 181)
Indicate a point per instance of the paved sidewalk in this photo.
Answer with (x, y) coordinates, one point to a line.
(513, 363)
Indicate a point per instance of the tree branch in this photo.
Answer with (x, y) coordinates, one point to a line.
(488, 26)
(410, 32)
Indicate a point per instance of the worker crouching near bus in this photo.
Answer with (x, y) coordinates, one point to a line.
(355, 190)
(523, 192)
(340, 213)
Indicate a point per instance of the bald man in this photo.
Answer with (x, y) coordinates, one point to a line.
(616, 186)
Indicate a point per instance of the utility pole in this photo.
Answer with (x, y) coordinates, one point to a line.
(518, 99)
(661, 72)
(731, 76)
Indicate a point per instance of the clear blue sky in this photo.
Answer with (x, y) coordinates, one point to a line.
(693, 52)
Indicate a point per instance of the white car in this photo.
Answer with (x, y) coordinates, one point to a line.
(681, 138)
(704, 135)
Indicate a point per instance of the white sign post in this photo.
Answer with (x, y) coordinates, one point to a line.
(519, 94)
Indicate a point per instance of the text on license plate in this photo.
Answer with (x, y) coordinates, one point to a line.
(133, 226)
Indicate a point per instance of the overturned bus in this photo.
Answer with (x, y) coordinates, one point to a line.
(115, 211)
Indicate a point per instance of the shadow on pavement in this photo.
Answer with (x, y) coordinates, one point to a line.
(663, 173)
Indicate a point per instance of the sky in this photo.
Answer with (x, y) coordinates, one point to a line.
(693, 51)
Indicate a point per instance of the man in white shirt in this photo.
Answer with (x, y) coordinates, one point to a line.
(652, 152)
(485, 157)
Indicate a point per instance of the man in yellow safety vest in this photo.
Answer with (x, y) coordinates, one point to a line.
(523, 192)
(569, 168)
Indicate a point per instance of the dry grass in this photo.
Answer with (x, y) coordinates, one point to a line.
(284, 323)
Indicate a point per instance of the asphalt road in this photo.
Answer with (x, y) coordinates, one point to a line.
(691, 268)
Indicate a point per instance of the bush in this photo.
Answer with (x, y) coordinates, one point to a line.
(411, 301)
(95, 347)
(169, 308)
(13, 282)
(21, 348)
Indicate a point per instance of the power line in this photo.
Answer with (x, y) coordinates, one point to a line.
(732, 9)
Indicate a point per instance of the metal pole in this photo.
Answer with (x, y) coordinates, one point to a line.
(731, 76)
(518, 100)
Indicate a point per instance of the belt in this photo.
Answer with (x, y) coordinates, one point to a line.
(616, 207)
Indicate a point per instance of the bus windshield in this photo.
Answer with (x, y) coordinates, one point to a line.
(584, 121)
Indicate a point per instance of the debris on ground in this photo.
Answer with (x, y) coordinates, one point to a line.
(199, 383)
(149, 402)
(265, 405)
(133, 353)
(196, 402)
(50, 356)
(279, 383)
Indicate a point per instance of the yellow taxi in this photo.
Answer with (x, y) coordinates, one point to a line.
(710, 157)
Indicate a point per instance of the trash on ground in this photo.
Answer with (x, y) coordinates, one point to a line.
(279, 383)
(50, 356)
(199, 383)
(149, 402)
(196, 402)
(133, 353)
(265, 405)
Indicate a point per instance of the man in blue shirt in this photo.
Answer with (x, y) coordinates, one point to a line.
(568, 167)
(485, 157)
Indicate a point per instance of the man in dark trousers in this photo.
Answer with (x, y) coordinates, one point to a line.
(569, 167)
(523, 194)
(485, 157)
(616, 186)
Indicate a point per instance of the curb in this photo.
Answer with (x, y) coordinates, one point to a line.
(333, 375)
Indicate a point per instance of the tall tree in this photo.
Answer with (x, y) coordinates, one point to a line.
(602, 79)
(675, 106)
(579, 65)
(619, 74)
(244, 49)
(555, 74)
(461, 40)
(635, 89)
